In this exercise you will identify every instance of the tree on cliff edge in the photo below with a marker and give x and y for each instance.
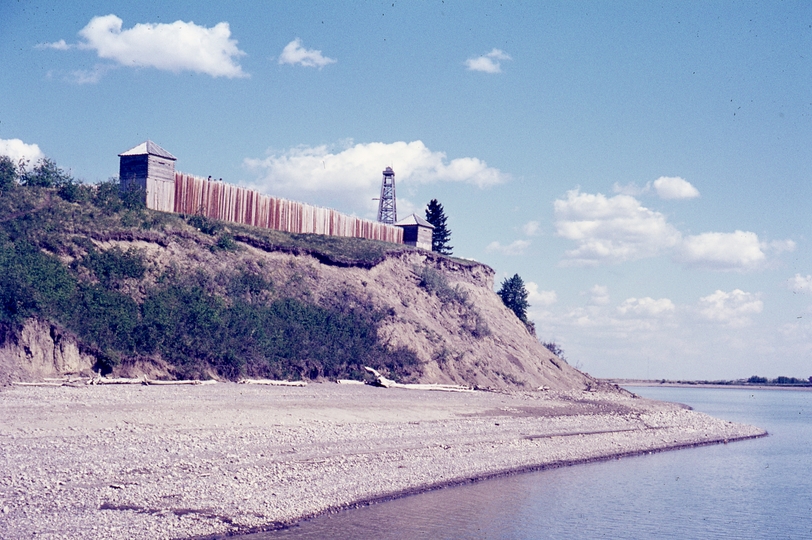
(514, 296)
(440, 236)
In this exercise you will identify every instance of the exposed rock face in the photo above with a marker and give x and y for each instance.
(456, 325)
(42, 350)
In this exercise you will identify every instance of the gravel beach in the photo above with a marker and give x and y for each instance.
(208, 461)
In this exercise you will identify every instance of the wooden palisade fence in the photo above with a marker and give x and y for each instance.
(217, 200)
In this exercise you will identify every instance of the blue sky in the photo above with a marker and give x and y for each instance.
(645, 167)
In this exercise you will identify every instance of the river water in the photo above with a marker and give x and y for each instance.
(761, 488)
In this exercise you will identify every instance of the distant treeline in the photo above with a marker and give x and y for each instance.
(755, 380)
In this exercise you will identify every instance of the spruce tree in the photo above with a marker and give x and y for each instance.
(440, 236)
(514, 296)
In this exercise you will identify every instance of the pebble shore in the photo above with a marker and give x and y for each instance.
(153, 462)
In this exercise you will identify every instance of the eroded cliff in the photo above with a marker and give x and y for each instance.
(324, 306)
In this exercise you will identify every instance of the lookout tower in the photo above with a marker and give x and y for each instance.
(387, 208)
(416, 231)
(152, 169)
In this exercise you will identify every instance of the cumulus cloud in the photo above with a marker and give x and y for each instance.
(666, 187)
(352, 173)
(17, 150)
(177, 46)
(674, 187)
(531, 228)
(611, 229)
(738, 250)
(538, 298)
(646, 306)
(294, 53)
(516, 247)
(617, 229)
(732, 308)
(801, 284)
(489, 63)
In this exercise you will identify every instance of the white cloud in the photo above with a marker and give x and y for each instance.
(516, 247)
(489, 63)
(674, 187)
(531, 228)
(18, 150)
(666, 187)
(617, 229)
(646, 306)
(780, 246)
(738, 250)
(537, 298)
(599, 295)
(799, 283)
(294, 53)
(611, 230)
(58, 45)
(89, 76)
(353, 174)
(178, 46)
(631, 189)
(732, 308)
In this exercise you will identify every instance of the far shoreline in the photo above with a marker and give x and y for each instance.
(686, 384)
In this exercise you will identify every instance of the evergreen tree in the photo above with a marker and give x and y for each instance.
(514, 296)
(440, 236)
(8, 173)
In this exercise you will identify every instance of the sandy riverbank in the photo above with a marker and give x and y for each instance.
(185, 461)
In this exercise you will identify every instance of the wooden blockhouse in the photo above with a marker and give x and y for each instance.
(153, 169)
(416, 231)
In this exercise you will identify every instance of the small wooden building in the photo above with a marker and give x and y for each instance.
(153, 169)
(416, 231)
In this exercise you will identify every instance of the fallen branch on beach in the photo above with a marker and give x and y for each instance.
(388, 383)
(269, 382)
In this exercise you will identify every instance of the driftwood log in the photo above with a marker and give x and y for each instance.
(388, 383)
(269, 382)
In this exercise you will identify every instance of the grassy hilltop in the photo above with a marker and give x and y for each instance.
(231, 322)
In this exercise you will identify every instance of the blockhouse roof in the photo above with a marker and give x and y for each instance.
(414, 219)
(148, 148)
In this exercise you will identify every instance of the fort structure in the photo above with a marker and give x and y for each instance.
(151, 168)
(416, 231)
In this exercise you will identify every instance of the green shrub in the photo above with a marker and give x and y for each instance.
(107, 196)
(225, 242)
(436, 283)
(45, 174)
(8, 174)
(204, 224)
(114, 264)
(31, 284)
(133, 196)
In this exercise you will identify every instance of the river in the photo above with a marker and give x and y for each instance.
(760, 488)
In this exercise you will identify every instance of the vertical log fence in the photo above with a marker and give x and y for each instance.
(217, 200)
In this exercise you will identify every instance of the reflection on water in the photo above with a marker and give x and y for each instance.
(760, 488)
